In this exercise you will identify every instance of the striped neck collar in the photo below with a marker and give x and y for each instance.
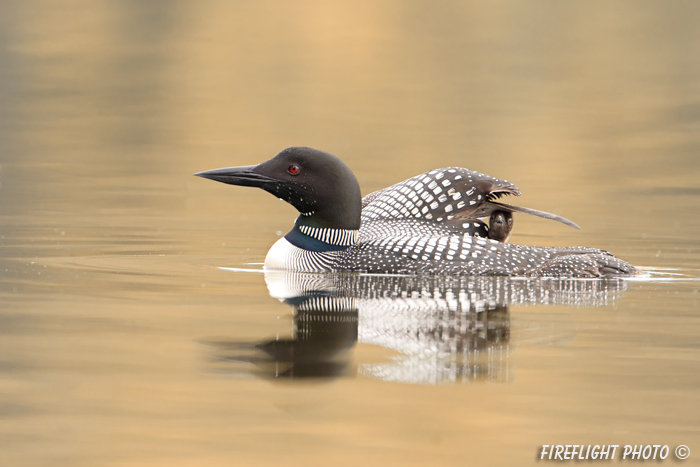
(321, 239)
(337, 237)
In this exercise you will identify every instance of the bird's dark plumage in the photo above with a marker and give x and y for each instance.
(500, 225)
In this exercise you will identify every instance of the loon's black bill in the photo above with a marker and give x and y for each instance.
(487, 208)
(242, 176)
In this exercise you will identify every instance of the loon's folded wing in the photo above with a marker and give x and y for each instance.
(448, 195)
(438, 195)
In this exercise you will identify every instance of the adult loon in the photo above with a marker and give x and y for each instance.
(428, 224)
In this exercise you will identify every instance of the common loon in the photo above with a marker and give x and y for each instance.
(500, 225)
(428, 224)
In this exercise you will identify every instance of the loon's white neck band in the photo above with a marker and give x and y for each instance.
(338, 237)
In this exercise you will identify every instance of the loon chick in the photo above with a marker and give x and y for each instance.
(500, 225)
(428, 224)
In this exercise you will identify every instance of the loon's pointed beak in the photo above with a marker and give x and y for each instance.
(242, 176)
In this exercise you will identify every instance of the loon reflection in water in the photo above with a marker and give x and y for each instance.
(444, 328)
(428, 224)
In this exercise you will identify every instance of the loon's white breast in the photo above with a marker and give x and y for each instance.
(285, 256)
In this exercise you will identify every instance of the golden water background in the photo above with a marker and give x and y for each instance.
(110, 250)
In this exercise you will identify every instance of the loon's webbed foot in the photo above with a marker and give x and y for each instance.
(585, 262)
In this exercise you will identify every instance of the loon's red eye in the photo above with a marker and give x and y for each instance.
(293, 169)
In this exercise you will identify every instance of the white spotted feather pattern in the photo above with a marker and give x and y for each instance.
(439, 195)
(422, 226)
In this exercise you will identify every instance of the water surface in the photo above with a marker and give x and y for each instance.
(129, 315)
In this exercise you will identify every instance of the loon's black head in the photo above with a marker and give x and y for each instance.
(322, 188)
